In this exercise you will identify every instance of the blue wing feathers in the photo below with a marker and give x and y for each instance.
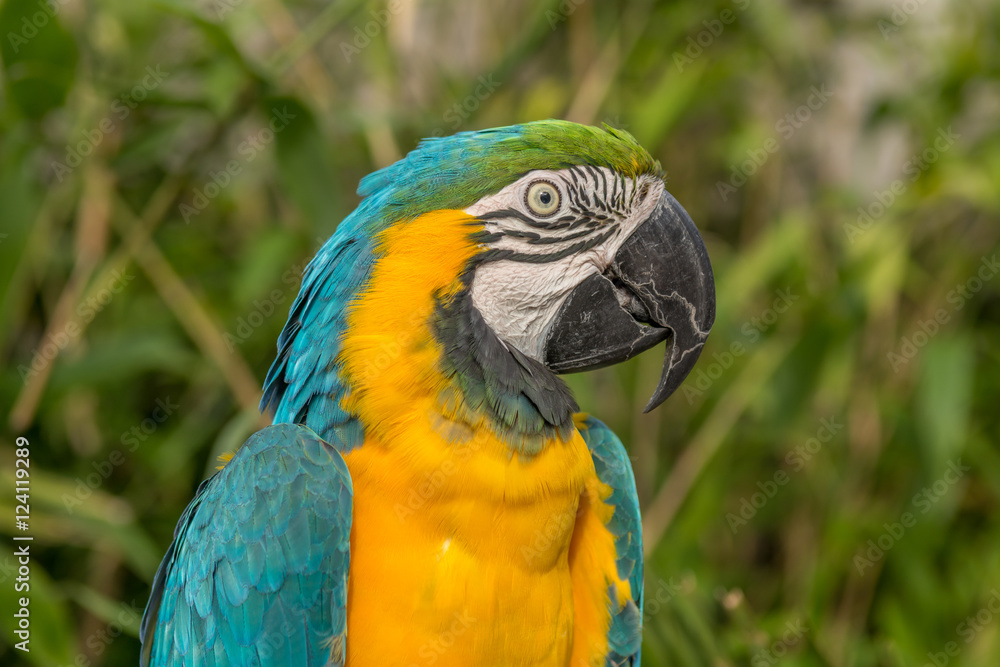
(257, 573)
(305, 373)
(613, 467)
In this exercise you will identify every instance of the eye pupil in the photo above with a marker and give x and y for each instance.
(542, 198)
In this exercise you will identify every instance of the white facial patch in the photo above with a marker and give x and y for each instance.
(540, 259)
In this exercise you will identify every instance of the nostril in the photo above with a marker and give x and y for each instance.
(629, 302)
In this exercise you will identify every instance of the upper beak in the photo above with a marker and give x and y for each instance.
(658, 286)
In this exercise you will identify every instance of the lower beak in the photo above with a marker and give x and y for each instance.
(659, 286)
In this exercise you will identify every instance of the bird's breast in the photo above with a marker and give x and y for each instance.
(459, 552)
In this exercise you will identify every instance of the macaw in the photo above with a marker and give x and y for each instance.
(428, 493)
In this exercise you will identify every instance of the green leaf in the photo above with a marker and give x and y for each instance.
(305, 170)
(944, 395)
(22, 200)
(39, 55)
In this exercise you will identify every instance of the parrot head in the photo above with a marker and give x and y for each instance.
(581, 259)
(588, 266)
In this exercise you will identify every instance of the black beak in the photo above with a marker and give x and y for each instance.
(659, 286)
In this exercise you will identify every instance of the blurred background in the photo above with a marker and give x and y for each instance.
(823, 490)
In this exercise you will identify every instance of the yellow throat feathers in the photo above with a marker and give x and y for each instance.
(448, 499)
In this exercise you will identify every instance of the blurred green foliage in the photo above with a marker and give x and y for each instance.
(166, 169)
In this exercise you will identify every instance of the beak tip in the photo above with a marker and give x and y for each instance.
(676, 367)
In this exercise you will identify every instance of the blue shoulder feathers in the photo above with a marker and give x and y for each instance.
(614, 469)
(257, 573)
(305, 382)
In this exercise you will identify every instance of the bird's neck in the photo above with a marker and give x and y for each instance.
(526, 403)
(416, 347)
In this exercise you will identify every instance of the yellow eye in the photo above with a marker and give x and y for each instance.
(542, 198)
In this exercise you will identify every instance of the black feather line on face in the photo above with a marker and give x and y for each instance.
(604, 187)
(618, 201)
(531, 237)
(558, 239)
(572, 174)
(507, 213)
(573, 194)
(596, 176)
(495, 254)
(584, 219)
(592, 203)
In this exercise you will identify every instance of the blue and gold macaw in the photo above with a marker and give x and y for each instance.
(428, 493)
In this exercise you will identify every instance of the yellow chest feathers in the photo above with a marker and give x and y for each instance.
(458, 554)
(462, 553)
